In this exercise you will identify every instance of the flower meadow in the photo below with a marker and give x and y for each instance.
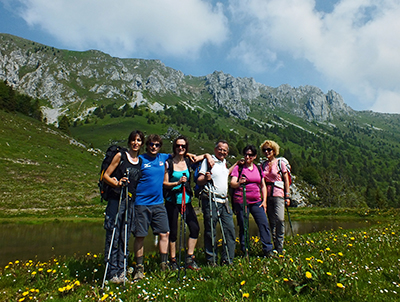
(342, 265)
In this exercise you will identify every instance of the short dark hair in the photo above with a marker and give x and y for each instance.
(252, 148)
(153, 138)
(186, 143)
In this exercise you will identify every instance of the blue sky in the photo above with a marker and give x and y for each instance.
(350, 46)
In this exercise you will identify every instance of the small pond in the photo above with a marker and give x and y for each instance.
(43, 241)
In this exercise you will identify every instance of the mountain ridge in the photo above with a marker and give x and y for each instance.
(66, 77)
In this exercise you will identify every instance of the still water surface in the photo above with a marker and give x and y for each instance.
(41, 242)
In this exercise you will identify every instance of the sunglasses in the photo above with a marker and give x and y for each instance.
(157, 145)
(180, 146)
(267, 149)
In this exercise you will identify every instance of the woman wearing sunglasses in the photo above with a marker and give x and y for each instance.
(278, 192)
(251, 176)
(177, 177)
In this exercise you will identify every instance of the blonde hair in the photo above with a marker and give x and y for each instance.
(273, 145)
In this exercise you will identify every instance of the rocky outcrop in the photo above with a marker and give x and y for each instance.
(63, 77)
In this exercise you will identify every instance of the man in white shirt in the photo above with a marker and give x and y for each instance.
(215, 206)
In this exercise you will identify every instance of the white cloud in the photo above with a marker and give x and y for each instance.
(355, 46)
(126, 27)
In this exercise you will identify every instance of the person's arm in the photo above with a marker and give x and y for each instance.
(113, 181)
(239, 162)
(264, 193)
(286, 188)
(203, 179)
(196, 158)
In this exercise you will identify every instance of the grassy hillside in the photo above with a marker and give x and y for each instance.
(42, 168)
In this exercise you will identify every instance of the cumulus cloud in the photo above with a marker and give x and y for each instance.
(355, 45)
(126, 27)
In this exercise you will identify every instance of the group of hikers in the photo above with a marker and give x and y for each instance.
(153, 189)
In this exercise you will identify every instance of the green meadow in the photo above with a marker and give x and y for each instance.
(342, 265)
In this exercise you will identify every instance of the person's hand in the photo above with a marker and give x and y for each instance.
(208, 176)
(264, 205)
(287, 201)
(183, 179)
(242, 180)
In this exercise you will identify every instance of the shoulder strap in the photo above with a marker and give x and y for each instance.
(240, 170)
(188, 163)
(170, 167)
(259, 171)
(279, 163)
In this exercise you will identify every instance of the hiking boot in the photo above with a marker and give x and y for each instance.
(139, 272)
(115, 280)
(173, 266)
(122, 278)
(270, 254)
(191, 264)
(164, 266)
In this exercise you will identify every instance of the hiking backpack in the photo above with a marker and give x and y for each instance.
(105, 189)
(197, 188)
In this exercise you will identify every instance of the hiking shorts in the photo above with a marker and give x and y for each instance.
(150, 215)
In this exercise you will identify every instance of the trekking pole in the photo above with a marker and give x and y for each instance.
(222, 229)
(184, 220)
(111, 242)
(245, 223)
(182, 235)
(290, 221)
(126, 222)
(211, 222)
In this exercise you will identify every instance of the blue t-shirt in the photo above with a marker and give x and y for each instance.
(149, 190)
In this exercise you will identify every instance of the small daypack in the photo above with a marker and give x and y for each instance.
(171, 194)
(105, 189)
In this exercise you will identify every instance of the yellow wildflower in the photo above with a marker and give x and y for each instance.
(340, 285)
(308, 275)
(243, 282)
(25, 293)
(285, 279)
(340, 254)
(104, 297)
(329, 274)
(245, 295)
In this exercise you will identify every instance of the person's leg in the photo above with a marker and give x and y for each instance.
(239, 217)
(173, 215)
(261, 220)
(271, 218)
(141, 223)
(112, 237)
(226, 215)
(194, 228)
(159, 224)
(280, 223)
(210, 222)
